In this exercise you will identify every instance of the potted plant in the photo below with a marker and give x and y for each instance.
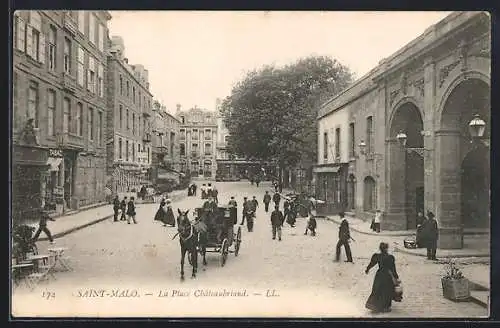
(455, 285)
(22, 241)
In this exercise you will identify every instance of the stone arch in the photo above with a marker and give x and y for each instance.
(397, 106)
(405, 166)
(459, 159)
(450, 85)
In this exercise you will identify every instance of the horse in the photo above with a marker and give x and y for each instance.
(188, 239)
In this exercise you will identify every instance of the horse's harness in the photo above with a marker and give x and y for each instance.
(191, 233)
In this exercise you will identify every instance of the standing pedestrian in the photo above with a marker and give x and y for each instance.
(344, 238)
(123, 207)
(385, 280)
(131, 210)
(255, 204)
(376, 221)
(42, 226)
(116, 208)
(215, 194)
(286, 208)
(245, 209)
(267, 200)
(419, 221)
(160, 213)
(276, 199)
(431, 232)
(276, 222)
(169, 217)
(233, 205)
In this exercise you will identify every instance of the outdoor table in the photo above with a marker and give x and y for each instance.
(39, 257)
(58, 256)
(16, 274)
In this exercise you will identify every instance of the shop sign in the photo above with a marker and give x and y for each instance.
(55, 153)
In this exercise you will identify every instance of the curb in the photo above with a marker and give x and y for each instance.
(399, 234)
(71, 230)
(457, 256)
(66, 232)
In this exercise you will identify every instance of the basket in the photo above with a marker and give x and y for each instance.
(410, 242)
(456, 289)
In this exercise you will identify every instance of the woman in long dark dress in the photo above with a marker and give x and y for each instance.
(169, 216)
(160, 214)
(383, 285)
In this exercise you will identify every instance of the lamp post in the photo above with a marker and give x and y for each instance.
(477, 127)
(403, 138)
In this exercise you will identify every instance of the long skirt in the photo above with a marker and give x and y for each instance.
(160, 215)
(382, 292)
(169, 217)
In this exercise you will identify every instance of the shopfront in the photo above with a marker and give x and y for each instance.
(331, 187)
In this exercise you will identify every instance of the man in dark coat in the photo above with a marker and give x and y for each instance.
(116, 208)
(344, 237)
(42, 226)
(267, 200)
(246, 204)
(123, 207)
(276, 198)
(276, 222)
(431, 232)
(233, 205)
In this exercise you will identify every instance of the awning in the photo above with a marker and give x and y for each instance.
(54, 163)
(326, 169)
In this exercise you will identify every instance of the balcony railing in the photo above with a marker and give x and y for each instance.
(70, 141)
(70, 24)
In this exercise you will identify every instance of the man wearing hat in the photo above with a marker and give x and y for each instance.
(431, 234)
(234, 209)
(42, 226)
(245, 209)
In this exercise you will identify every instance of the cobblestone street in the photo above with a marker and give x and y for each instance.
(295, 277)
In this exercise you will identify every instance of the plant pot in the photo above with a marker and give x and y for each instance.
(456, 289)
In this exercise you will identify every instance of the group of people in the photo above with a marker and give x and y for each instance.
(208, 191)
(127, 208)
(165, 215)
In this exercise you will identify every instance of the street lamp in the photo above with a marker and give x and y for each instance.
(403, 138)
(477, 128)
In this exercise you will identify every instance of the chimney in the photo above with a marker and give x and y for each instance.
(178, 107)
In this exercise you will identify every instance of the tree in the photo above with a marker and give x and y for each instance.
(271, 113)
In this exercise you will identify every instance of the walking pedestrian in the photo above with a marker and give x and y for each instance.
(276, 222)
(286, 208)
(42, 226)
(123, 207)
(245, 209)
(431, 235)
(276, 199)
(131, 210)
(169, 214)
(267, 200)
(385, 280)
(344, 238)
(215, 194)
(376, 221)
(116, 208)
(160, 213)
(255, 204)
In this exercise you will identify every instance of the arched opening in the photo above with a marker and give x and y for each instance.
(406, 167)
(464, 164)
(351, 192)
(370, 194)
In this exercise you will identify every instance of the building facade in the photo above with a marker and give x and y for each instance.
(197, 142)
(165, 145)
(59, 109)
(411, 143)
(129, 133)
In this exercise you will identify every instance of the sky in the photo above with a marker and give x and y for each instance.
(195, 57)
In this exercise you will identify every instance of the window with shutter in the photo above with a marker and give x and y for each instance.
(81, 58)
(41, 48)
(20, 34)
(29, 40)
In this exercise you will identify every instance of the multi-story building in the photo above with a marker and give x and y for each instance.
(197, 141)
(59, 109)
(129, 120)
(415, 133)
(165, 144)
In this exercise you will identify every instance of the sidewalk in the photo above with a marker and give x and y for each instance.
(473, 247)
(81, 219)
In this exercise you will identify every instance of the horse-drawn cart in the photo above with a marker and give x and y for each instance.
(220, 231)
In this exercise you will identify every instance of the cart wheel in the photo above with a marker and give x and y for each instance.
(237, 242)
(224, 250)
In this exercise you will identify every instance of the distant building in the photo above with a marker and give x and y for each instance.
(59, 109)
(197, 141)
(165, 144)
(129, 121)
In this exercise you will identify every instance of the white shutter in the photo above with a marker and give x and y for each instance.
(41, 49)
(80, 74)
(88, 80)
(29, 40)
(21, 34)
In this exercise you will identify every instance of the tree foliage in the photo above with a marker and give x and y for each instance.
(271, 113)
